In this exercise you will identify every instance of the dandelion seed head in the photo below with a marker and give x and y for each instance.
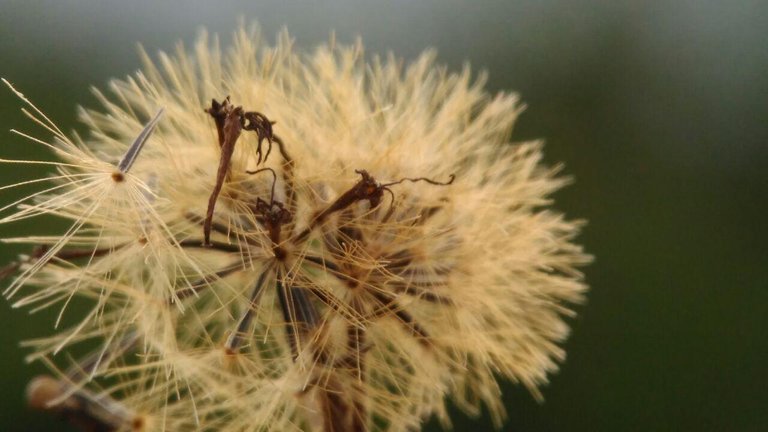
(377, 245)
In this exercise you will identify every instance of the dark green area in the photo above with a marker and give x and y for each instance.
(658, 110)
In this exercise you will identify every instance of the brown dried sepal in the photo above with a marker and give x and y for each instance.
(230, 121)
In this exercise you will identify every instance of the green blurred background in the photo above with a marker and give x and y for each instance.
(658, 110)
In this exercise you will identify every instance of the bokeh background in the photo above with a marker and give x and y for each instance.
(659, 109)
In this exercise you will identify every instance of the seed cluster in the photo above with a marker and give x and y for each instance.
(390, 254)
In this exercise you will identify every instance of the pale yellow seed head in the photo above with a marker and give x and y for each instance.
(342, 299)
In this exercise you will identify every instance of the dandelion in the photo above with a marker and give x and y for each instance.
(274, 241)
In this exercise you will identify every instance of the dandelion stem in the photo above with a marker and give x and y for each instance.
(299, 314)
(206, 282)
(129, 158)
(235, 339)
